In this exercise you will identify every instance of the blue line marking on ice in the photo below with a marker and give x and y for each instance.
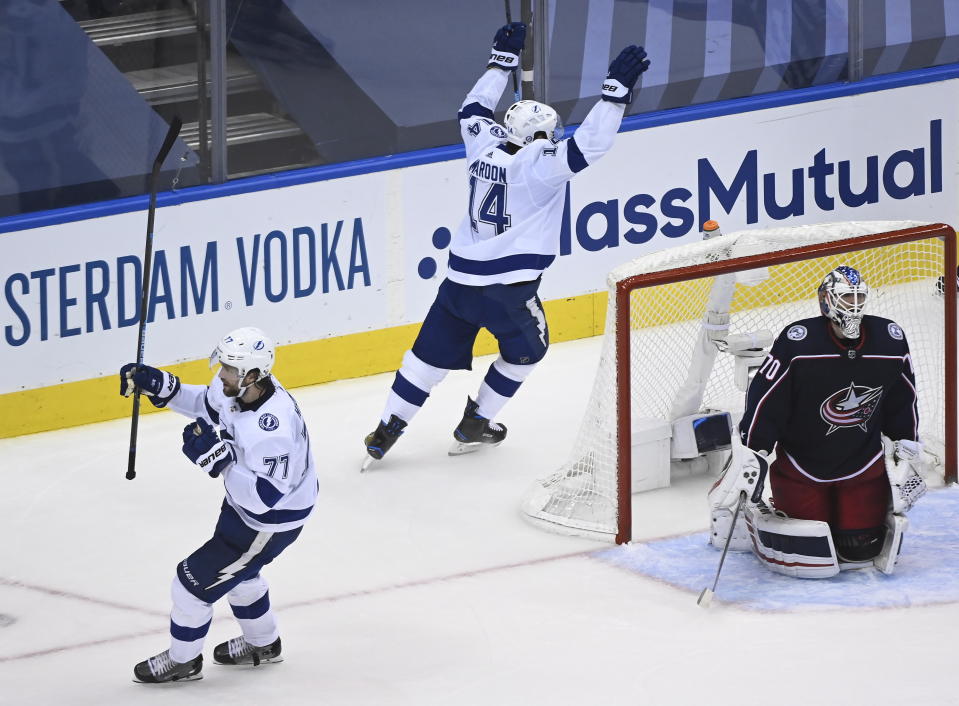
(927, 572)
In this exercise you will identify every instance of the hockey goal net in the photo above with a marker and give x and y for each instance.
(661, 359)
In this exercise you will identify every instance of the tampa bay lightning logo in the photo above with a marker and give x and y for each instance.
(896, 332)
(268, 422)
(498, 132)
(851, 406)
(796, 333)
(258, 346)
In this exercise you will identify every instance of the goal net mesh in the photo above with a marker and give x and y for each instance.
(666, 326)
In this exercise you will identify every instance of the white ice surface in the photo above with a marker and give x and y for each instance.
(416, 583)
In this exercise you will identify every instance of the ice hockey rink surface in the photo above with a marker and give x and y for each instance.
(418, 582)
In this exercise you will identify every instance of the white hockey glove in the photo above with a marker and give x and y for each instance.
(903, 462)
(746, 471)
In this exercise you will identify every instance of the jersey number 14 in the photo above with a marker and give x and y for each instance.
(491, 209)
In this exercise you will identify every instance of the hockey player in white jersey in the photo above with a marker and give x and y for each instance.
(517, 176)
(262, 452)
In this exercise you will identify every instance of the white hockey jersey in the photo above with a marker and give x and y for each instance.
(511, 231)
(272, 483)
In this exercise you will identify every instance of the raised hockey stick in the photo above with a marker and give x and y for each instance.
(526, 62)
(706, 595)
(165, 148)
(509, 21)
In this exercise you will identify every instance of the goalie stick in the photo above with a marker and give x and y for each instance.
(706, 595)
(171, 135)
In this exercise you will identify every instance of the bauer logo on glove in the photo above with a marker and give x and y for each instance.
(203, 446)
(159, 385)
(507, 44)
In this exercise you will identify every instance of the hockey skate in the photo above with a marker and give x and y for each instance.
(160, 669)
(381, 440)
(474, 432)
(238, 651)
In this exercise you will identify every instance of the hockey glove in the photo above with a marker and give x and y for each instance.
(746, 471)
(205, 448)
(507, 44)
(159, 385)
(623, 73)
(903, 461)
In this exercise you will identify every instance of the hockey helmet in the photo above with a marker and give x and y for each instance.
(526, 118)
(246, 349)
(842, 298)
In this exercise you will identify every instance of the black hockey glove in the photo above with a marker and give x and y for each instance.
(507, 44)
(623, 73)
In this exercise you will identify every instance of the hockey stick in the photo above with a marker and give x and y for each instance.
(509, 21)
(706, 596)
(526, 65)
(165, 148)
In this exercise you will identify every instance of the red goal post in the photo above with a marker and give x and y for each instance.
(578, 498)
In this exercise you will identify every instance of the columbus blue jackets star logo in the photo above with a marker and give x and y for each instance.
(851, 406)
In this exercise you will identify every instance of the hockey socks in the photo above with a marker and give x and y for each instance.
(411, 388)
(500, 384)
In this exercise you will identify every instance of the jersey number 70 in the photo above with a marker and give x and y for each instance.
(491, 209)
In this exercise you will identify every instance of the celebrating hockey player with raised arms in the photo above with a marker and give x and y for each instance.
(830, 390)
(516, 177)
(262, 452)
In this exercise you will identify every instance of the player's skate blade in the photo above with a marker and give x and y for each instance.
(160, 669)
(239, 652)
(367, 463)
(458, 448)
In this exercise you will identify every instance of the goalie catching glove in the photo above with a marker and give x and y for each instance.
(203, 446)
(903, 461)
(159, 385)
(507, 44)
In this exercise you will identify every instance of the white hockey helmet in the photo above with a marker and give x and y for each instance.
(842, 298)
(246, 349)
(526, 118)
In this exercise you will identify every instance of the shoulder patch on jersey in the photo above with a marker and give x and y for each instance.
(498, 132)
(269, 422)
(796, 333)
(473, 129)
(895, 331)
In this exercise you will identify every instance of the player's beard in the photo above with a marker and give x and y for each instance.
(231, 390)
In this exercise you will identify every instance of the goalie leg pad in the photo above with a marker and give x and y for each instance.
(800, 548)
(719, 521)
(896, 526)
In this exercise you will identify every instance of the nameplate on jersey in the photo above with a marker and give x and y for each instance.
(488, 172)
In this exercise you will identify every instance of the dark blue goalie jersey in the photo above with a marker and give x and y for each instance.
(825, 401)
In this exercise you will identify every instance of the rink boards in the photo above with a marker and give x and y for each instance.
(341, 271)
